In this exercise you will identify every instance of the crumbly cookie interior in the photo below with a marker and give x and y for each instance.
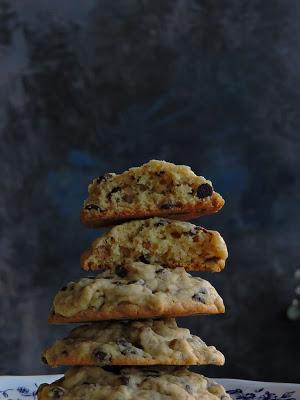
(141, 342)
(158, 241)
(157, 184)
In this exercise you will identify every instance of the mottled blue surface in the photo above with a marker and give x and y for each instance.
(97, 86)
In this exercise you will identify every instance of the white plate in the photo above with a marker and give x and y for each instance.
(24, 387)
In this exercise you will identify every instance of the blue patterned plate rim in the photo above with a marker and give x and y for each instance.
(13, 387)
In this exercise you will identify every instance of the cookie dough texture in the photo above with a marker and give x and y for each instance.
(158, 241)
(135, 291)
(95, 383)
(147, 342)
(158, 188)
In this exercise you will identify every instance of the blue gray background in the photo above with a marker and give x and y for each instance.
(88, 87)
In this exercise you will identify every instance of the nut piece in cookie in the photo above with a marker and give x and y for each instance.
(157, 188)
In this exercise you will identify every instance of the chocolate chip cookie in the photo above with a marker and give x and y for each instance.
(146, 342)
(134, 291)
(158, 188)
(158, 241)
(95, 383)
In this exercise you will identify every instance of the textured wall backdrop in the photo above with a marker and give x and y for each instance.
(93, 86)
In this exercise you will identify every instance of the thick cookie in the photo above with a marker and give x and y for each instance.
(147, 342)
(156, 189)
(158, 241)
(95, 383)
(135, 291)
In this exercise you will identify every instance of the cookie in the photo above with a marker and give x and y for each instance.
(158, 241)
(135, 291)
(95, 383)
(147, 342)
(156, 189)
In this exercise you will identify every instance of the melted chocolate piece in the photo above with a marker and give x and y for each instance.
(114, 190)
(200, 296)
(121, 271)
(143, 259)
(188, 389)
(104, 178)
(101, 356)
(204, 190)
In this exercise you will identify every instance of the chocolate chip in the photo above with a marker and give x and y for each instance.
(104, 178)
(114, 190)
(204, 190)
(200, 296)
(125, 347)
(194, 231)
(167, 206)
(124, 380)
(57, 392)
(64, 288)
(160, 270)
(123, 342)
(188, 389)
(143, 259)
(44, 360)
(101, 356)
(92, 207)
(160, 173)
(200, 228)
(121, 271)
(64, 353)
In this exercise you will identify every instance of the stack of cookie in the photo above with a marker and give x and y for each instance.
(141, 284)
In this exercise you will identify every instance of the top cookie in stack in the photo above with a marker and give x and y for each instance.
(156, 189)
